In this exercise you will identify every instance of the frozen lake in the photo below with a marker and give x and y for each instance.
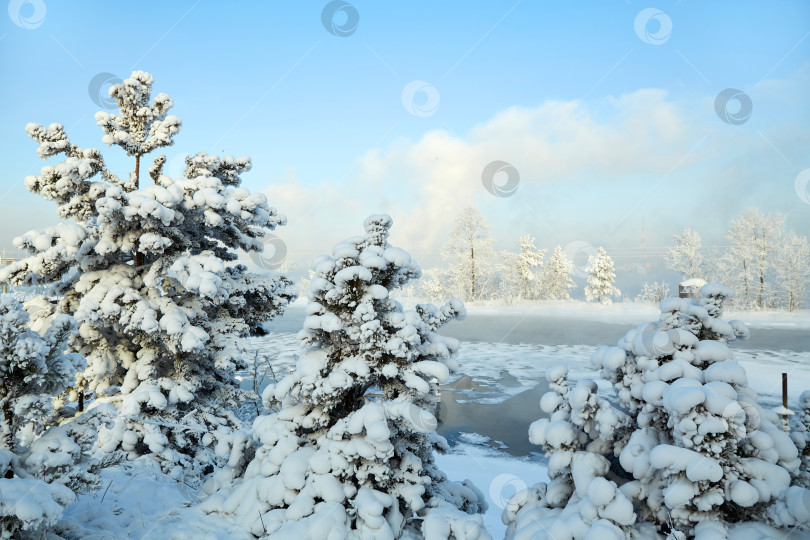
(542, 329)
(506, 424)
(504, 356)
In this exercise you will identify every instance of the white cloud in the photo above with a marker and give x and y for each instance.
(583, 166)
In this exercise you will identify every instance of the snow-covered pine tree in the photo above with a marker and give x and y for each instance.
(697, 456)
(529, 268)
(579, 501)
(601, 277)
(38, 473)
(145, 271)
(520, 273)
(349, 454)
(557, 281)
(653, 293)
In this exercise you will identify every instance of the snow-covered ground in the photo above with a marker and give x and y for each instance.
(137, 501)
(496, 474)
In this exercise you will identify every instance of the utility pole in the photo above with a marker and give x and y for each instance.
(643, 242)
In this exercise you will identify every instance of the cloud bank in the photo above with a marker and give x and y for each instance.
(588, 170)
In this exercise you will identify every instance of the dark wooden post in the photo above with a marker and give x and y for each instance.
(785, 413)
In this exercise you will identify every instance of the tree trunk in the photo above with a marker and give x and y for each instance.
(761, 288)
(761, 295)
(8, 418)
(81, 401)
(745, 281)
(139, 259)
(351, 402)
(762, 253)
(472, 272)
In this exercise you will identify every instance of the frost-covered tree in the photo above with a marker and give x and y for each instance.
(792, 270)
(601, 277)
(430, 286)
(39, 469)
(684, 452)
(557, 281)
(653, 293)
(146, 269)
(684, 256)
(510, 282)
(304, 282)
(349, 454)
(755, 240)
(469, 253)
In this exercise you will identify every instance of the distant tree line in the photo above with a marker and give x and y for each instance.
(767, 266)
(474, 271)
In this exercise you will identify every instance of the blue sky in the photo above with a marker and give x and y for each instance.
(602, 125)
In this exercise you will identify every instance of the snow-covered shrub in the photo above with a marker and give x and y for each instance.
(653, 293)
(687, 453)
(147, 272)
(40, 468)
(349, 454)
